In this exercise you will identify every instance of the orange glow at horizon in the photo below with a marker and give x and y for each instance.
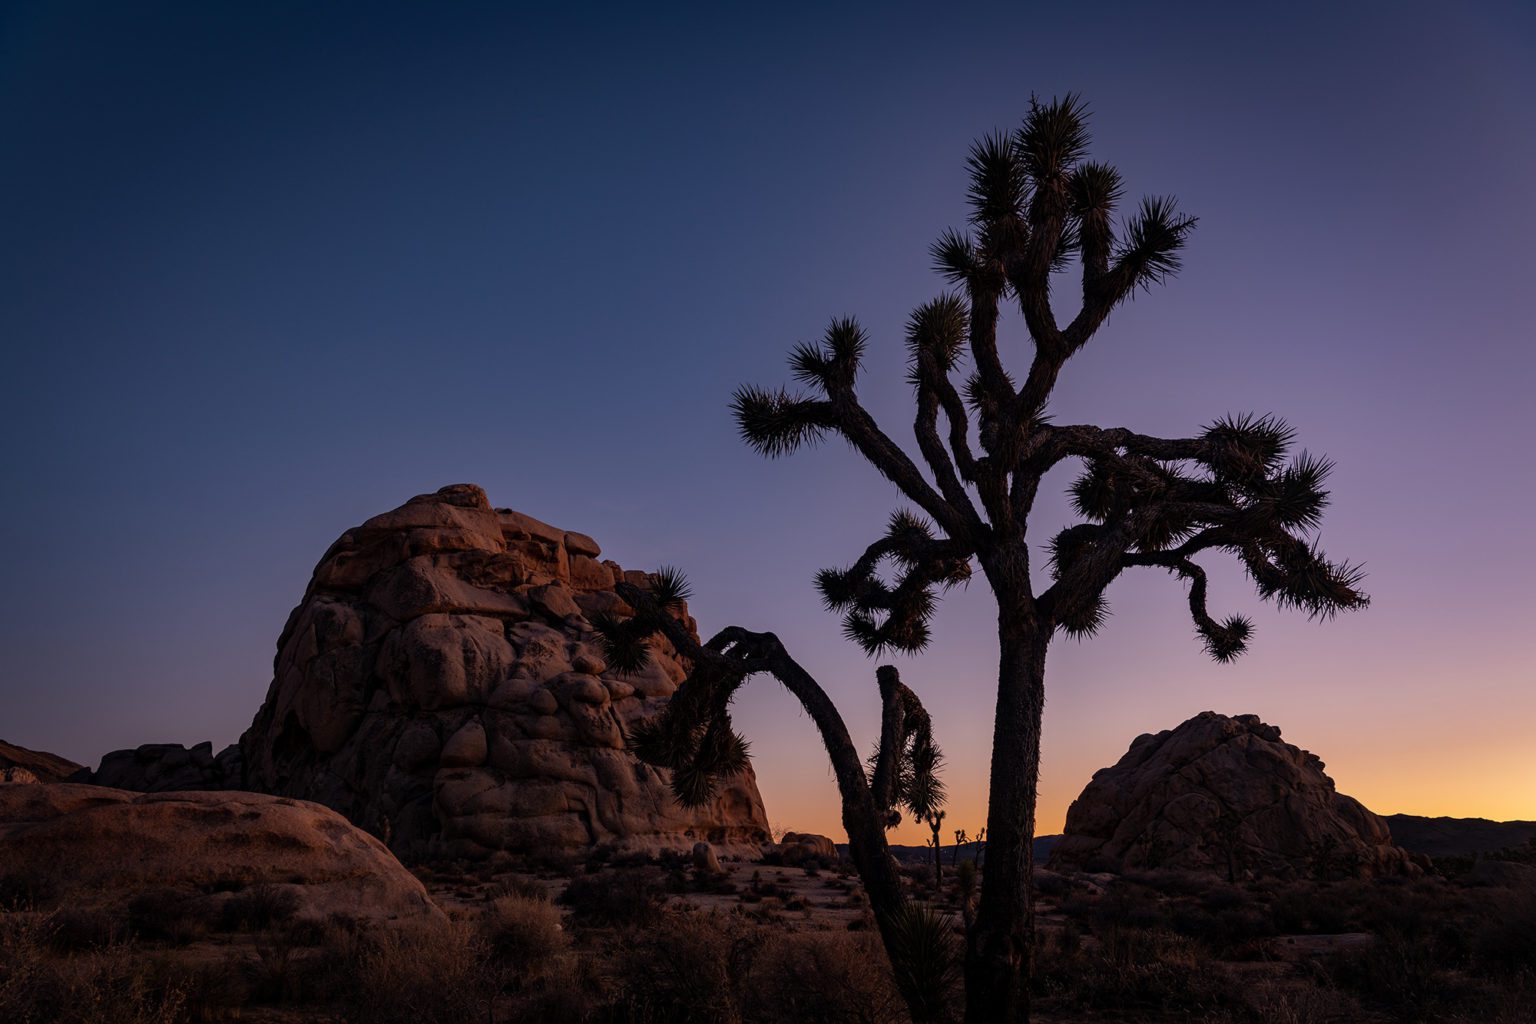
(1396, 761)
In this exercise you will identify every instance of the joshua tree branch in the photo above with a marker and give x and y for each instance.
(985, 288)
(1088, 441)
(926, 429)
(859, 427)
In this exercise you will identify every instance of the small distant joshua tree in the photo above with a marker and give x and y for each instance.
(985, 443)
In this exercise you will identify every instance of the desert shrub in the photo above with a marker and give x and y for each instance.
(259, 907)
(431, 975)
(685, 969)
(597, 858)
(1221, 896)
(522, 887)
(1271, 1002)
(570, 991)
(215, 990)
(1505, 941)
(1127, 905)
(110, 987)
(524, 936)
(1401, 971)
(1047, 883)
(644, 859)
(1174, 883)
(281, 972)
(1131, 969)
(920, 875)
(169, 915)
(826, 978)
(625, 896)
(86, 928)
(1224, 929)
(26, 892)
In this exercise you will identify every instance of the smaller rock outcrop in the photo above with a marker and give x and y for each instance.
(18, 764)
(705, 861)
(799, 847)
(170, 767)
(82, 846)
(1225, 794)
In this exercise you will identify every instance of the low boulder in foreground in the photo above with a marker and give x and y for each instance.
(1225, 795)
(83, 846)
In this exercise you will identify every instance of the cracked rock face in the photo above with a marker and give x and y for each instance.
(441, 686)
(1224, 794)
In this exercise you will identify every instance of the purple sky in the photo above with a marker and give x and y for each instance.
(270, 269)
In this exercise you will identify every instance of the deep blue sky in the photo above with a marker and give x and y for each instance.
(269, 269)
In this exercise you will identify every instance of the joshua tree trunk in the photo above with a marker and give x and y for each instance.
(938, 863)
(998, 947)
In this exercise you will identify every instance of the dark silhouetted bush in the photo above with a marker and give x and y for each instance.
(625, 896)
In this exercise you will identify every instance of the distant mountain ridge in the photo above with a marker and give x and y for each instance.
(1446, 837)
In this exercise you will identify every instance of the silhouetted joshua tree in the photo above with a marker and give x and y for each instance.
(694, 738)
(1037, 204)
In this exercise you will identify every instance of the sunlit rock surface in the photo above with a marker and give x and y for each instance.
(440, 685)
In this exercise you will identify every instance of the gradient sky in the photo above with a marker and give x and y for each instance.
(271, 268)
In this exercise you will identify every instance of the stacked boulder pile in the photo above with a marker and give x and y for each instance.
(440, 685)
(1225, 795)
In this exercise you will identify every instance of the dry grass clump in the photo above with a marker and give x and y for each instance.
(525, 935)
(620, 897)
(167, 915)
(1126, 968)
(260, 907)
(37, 986)
(824, 978)
(693, 967)
(430, 975)
(1271, 1002)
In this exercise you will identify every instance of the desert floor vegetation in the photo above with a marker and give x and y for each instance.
(640, 940)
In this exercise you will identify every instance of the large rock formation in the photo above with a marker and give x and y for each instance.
(440, 685)
(82, 845)
(1226, 795)
(18, 764)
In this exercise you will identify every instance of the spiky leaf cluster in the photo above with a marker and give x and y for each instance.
(693, 736)
(936, 334)
(1240, 493)
(879, 615)
(1035, 200)
(925, 959)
